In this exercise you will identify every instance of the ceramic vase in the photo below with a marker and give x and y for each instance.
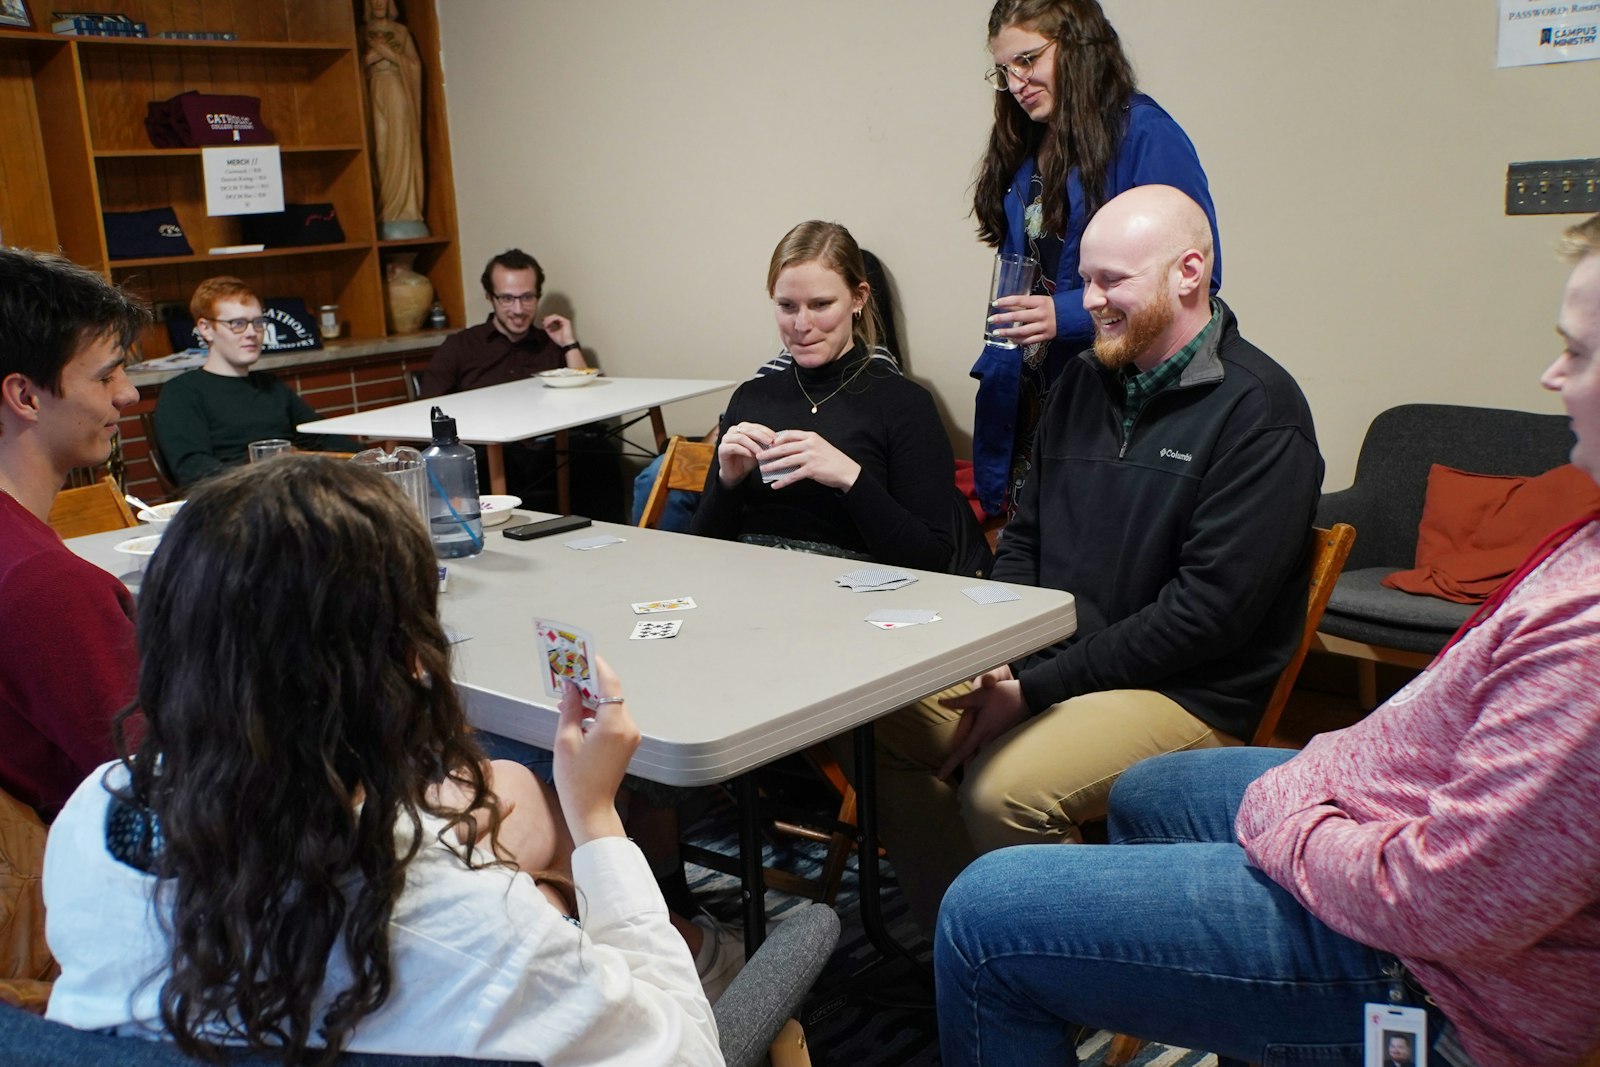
(410, 294)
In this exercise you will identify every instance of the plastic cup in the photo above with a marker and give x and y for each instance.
(404, 469)
(1014, 275)
(273, 446)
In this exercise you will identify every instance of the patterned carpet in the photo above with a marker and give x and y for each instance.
(886, 1018)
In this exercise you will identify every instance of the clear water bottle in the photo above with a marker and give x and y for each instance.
(452, 492)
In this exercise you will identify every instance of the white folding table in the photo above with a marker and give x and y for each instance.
(497, 415)
(774, 657)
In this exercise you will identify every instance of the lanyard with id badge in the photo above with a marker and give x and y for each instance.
(1396, 1036)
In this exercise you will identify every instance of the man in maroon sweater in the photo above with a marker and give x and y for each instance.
(67, 663)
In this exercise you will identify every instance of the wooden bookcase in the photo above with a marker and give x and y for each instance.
(73, 145)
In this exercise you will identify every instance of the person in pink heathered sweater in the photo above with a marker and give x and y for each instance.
(1442, 853)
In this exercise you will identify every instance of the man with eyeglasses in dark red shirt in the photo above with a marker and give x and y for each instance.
(513, 343)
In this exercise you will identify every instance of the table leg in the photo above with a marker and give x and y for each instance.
(867, 822)
(659, 427)
(563, 474)
(755, 884)
(497, 469)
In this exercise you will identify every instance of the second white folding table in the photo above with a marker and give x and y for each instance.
(498, 415)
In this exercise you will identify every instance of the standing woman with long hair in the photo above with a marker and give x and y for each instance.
(1071, 131)
(307, 851)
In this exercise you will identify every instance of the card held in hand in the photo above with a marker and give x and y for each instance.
(566, 653)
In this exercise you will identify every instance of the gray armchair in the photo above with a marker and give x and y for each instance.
(1379, 625)
(749, 1015)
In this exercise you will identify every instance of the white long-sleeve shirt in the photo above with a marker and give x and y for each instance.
(484, 967)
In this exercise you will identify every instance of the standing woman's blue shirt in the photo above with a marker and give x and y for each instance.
(1154, 151)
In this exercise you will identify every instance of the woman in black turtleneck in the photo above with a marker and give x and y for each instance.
(865, 464)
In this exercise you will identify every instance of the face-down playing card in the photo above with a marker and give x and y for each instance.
(566, 653)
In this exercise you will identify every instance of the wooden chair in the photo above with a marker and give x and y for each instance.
(1327, 561)
(158, 462)
(91, 509)
(1331, 549)
(684, 467)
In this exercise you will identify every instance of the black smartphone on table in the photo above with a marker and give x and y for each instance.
(528, 531)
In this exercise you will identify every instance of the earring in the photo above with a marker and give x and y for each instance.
(856, 314)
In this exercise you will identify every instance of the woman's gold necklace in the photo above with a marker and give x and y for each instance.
(815, 404)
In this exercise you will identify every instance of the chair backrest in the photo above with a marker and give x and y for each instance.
(26, 967)
(169, 484)
(1330, 548)
(1403, 442)
(752, 1010)
(772, 986)
(883, 302)
(413, 383)
(29, 1041)
(92, 509)
(684, 466)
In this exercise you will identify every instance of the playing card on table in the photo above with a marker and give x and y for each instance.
(875, 579)
(650, 607)
(656, 629)
(894, 618)
(989, 594)
(566, 654)
(584, 544)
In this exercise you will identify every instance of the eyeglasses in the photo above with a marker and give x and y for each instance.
(241, 325)
(999, 76)
(506, 300)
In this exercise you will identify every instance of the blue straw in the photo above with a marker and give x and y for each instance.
(477, 541)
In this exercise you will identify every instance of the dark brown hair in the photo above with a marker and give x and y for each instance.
(513, 259)
(1093, 81)
(295, 684)
(51, 309)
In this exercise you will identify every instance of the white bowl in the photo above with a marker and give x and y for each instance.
(493, 510)
(160, 513)
(567, 377)
(140, 548)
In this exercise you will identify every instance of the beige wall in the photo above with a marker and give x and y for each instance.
(651, 153)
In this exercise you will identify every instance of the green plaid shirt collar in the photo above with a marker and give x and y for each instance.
(1139, 388)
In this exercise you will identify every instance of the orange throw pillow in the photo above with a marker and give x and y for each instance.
(1476, 528)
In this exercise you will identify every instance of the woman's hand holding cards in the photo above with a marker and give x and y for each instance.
(802, 454)
(737, 451)
(590, 761)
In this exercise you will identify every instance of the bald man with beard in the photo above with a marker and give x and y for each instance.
(1175, 477)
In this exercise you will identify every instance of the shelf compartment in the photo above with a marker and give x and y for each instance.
(307, 98)
(260, 24)
(217, 46)
(141, 182)
(326, 274)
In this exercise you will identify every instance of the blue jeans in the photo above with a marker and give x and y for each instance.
(1167, 934)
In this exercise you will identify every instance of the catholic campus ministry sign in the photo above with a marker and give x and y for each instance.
(1543, 31)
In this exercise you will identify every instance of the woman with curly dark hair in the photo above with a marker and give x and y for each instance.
(1071, 131)
(307, 852)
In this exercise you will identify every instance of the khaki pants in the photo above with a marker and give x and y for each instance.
(1035, 785)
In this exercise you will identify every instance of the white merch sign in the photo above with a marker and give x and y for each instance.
(246, 179)
(1548, 31)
